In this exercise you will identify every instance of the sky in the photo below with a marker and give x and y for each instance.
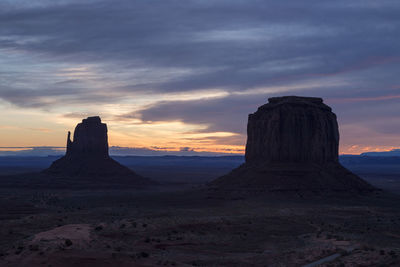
(176, 75)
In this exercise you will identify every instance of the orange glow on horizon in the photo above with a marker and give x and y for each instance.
(216, 148)
(358, 149)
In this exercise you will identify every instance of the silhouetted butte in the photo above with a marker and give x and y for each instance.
(87, 157)
(292, 145)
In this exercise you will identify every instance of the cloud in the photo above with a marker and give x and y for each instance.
(197, 45)
(8, 127)
(85, 56)
(76, 115)
(362, 120)
(226, 114)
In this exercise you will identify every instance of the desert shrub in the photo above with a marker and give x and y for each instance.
(34, 247)
(393, 254)
(343, 252)
(68, 242)
(366, 248)
(144, 254)
(319, 234)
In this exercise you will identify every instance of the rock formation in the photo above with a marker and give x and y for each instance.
(87, 158)
(292, 145)
(293, 129)
(90, 139)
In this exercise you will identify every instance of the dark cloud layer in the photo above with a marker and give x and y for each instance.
(229, 44)
(350, 49)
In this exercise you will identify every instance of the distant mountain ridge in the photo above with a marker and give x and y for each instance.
(44, 151)
(391, 153)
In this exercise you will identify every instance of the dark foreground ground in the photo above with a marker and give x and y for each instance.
(180, 224)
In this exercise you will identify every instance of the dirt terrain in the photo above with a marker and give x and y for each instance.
(175, 226)
(181, 223)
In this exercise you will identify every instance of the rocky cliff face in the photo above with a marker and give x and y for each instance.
(90, 139)
(87, 160)
(292, 129)
(292, 146)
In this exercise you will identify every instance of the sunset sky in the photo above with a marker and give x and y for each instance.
(184, 75)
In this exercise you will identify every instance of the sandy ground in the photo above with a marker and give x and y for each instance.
(183, 228)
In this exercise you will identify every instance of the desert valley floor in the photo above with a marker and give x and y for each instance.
(185, 224)
(188, 228)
